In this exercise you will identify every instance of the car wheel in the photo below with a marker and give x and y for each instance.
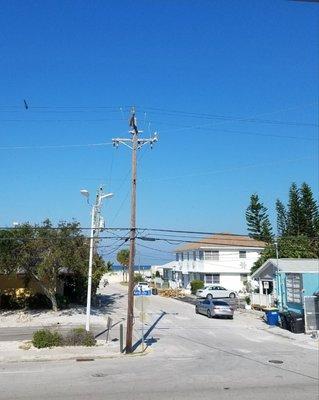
(196, 310)
(209, 296)
(209, 314)
(231, 317)
(232, 295)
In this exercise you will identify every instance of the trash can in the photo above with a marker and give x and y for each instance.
(284, 321)
(297, 323)
(272, 316)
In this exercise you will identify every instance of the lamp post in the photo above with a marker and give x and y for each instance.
(95, 227)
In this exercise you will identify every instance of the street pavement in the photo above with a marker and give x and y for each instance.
(189, 356)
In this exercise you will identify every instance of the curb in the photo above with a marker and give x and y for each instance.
(77, 358)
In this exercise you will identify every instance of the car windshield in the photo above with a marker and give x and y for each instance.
(220, 303)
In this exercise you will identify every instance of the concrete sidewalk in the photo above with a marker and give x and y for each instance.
(22, 352)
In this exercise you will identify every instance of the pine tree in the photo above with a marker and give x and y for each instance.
(309, 211)
(258, 223)
(266, 230)
(281, 218)
(294, 212)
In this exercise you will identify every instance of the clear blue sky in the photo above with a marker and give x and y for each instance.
(243, 74)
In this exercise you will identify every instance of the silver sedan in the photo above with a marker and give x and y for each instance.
(214, 308)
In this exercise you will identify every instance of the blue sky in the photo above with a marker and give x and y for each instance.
(231, 87)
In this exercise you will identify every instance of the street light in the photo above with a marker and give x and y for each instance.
(95, 226)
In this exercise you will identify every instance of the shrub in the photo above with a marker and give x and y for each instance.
(38, 301)
(79, 337)
(195, 285)
(138, 277)
(157, 274)
(248, 300)
(62, 301)
(46, 338)
(12, 302)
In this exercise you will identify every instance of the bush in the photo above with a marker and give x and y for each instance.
(248, 300)
(195, 285)
(79, 337)
(138, 277)
(157, 274)
(38, 301)
(46, 338)
(62, 301)
(12, 302)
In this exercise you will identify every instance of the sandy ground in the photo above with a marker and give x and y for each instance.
(113, 300)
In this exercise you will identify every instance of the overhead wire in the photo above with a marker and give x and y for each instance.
(58, 146)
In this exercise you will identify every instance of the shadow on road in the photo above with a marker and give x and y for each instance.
(149, 341)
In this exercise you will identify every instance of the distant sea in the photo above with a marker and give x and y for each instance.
(116, 268)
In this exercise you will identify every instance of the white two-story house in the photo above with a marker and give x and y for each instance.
(224, 259)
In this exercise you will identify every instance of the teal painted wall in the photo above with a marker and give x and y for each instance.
(310, 284)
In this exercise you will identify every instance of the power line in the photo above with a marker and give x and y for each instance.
(58, 146)
(231, 169)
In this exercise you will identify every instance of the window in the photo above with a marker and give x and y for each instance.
(242, 253)
(182, 257)
(294, 287)
(216, 278)
(177, 256)
(194, 255)
(209, 278)
(200, 255)
(212, 255)
(187, 254)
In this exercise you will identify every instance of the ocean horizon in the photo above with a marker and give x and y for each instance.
(116, 268)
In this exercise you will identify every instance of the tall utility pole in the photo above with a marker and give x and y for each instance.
(135, 143)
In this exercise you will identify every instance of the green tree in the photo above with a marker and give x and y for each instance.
(294, 222)
(258, 223)
(289, 247)
(123, 257)
(45, 253)
(309, 211)
(281, 218)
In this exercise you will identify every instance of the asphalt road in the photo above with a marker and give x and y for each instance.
(190, 357)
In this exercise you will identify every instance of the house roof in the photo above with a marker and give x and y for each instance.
(224, 240)
(289, 265)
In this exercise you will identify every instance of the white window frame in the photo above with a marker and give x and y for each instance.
(216, 279)
(294, 288)
(211, 255)
(242, 254)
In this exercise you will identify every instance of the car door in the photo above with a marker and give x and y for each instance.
(200, 306)
(206, 305)
(215, 292)
(223, 292)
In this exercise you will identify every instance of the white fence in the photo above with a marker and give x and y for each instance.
(264, 300)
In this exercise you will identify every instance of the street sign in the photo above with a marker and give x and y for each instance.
(142, 292)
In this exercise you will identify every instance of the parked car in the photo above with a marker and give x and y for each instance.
(214, 308)
(144, 286)
(215, 292)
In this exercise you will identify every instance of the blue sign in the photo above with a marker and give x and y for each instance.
(142, 292)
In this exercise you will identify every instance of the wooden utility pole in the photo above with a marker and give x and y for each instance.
(134, 144)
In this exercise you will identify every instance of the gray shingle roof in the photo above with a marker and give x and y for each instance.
(290, 265)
